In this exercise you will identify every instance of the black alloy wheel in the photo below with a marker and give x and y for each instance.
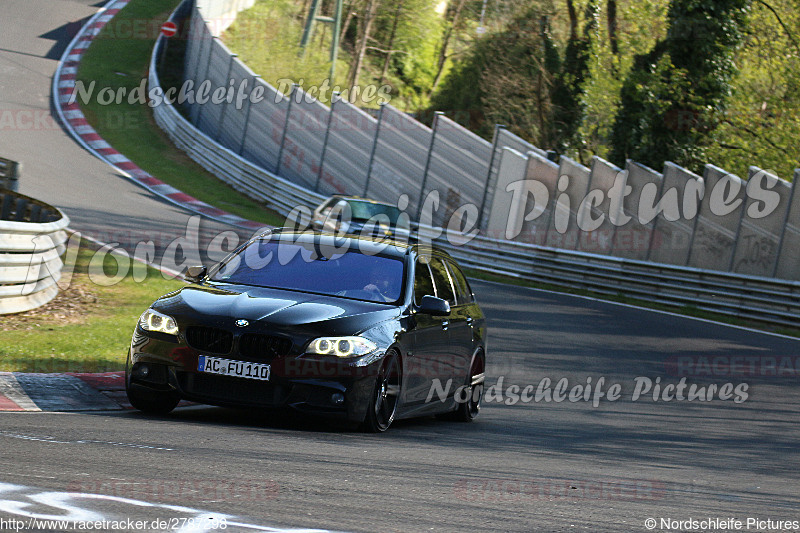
(468, 410)
(386, 395)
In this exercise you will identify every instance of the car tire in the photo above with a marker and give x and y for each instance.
(385, 396)
(467, 411)
(151, 402)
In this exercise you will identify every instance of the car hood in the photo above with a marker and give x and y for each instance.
(278, 310)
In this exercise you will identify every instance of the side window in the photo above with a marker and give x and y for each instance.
(341, 210)
(463, 291)
(444, 285)
(326, 209)
(423, 284)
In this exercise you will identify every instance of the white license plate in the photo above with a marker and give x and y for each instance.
(227, 367)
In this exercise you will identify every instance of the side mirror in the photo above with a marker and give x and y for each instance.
(431, 305)
(195, 274)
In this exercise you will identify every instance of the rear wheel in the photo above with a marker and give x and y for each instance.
(385, 396)
(468, 410)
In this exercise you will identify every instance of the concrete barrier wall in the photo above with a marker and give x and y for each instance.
(504, 139)
(540, 186)
(789, 252)
(571, 189)
(718, 221)
(673, 230)
(401, 155)
(632, 238)
(760, 234)
(457, 168)
(598, 229)
(674, 217)
(512, 164)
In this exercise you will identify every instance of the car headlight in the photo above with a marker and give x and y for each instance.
(154, 321)
(341, 346)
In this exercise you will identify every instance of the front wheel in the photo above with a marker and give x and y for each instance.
(149, 401)
(152, 402)
(383, 406)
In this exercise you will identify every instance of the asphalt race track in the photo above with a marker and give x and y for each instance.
(604, 465)
(542, 466)
(99, 201)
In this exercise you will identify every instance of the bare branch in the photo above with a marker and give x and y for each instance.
(780, 21)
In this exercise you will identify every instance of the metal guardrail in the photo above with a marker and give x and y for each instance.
(766, 300)
(32, 240)
(9, 174)
(754, 298)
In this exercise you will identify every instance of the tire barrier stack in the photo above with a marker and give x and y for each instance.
(32, 240)
(9, 174)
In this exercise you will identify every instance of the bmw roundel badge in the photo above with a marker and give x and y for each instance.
(241, 323)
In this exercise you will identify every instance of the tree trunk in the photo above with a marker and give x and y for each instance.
(361, 48)
(573, 20)
(611, 17)
(445, 43)
(351, 10)
(390, 46)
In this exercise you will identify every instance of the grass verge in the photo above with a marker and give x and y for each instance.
(267, 38)
(87, 327)
(118, 59)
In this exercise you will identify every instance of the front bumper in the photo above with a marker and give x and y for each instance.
(315, 385)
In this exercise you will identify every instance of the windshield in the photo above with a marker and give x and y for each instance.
(304, 267)
(367, 210)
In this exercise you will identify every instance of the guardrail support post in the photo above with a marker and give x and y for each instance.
(247, 115)
(286, 126)
(225, 104)
(661, 186)
(374, 147)
(334, 99)
(497, 128)
(785, 223)
(205, 76)
(436, 116)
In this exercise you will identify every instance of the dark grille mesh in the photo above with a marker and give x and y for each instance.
(263, 347)
(209, 339)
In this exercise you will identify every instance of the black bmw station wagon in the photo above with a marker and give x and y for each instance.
(352, 328)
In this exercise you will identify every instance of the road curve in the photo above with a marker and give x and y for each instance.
(538, 465)
(100, 202)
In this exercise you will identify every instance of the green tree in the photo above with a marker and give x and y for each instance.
(675, 95)
(520, 77)
(570, 79)
(762, 120)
